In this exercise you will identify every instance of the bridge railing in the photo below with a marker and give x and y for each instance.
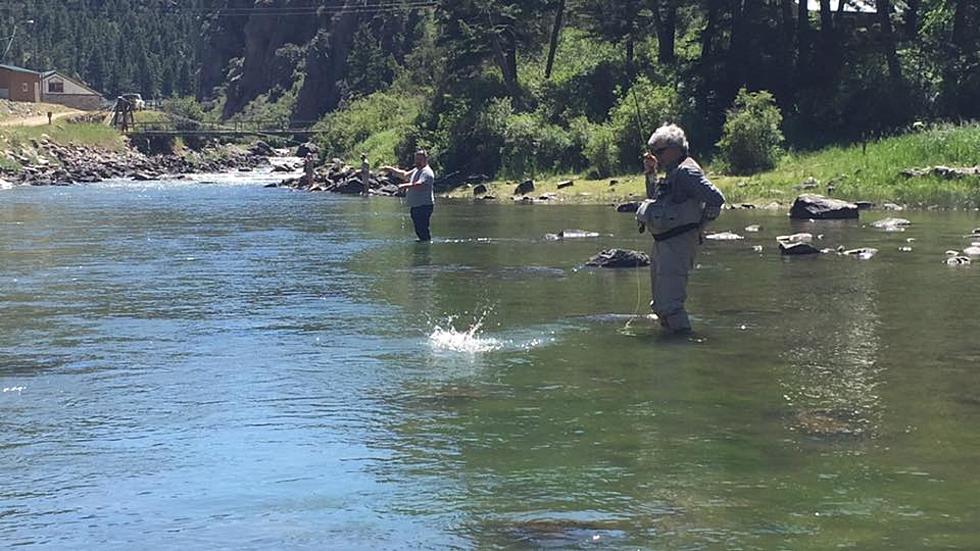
(248, 126)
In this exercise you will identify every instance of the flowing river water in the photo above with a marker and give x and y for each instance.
(214, 365)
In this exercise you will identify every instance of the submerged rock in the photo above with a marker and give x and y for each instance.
(818, 207)
(957, 261)
(891, 224)
(795, 238)
(830, 422)
(724, 236)
(797, 249)
(619, 258)
(631, 206)
(863, 253)
(571, 234)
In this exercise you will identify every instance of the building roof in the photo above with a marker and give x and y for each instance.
(18, 69)
(47, 74)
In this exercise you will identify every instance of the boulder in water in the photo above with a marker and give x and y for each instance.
(795, 238)
(818, 207)
(957, 261)
(972, 250)
(863, 253)
(753, 228)
(797, 249)
(619, 258)
(891, 224)
(307, 148)
(724, 236)
(575, 234)
(631, 206)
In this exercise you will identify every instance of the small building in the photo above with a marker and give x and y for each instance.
(61, 89)
(19, 84)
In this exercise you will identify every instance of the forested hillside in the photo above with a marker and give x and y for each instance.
(506, 87)
(116, 46)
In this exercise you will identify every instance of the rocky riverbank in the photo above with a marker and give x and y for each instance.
(44, 162)
(339, 177)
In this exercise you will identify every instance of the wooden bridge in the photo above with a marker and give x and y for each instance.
(255, 127)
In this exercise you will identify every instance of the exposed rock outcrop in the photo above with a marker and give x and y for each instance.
(818, 207)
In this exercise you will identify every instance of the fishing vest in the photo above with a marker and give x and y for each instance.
(671, 212)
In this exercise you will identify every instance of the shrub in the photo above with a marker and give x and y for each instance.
(639, 111)
(751, 138)
(374, 124)
(601, 150)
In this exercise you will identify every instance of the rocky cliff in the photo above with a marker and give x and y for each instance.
(256, 47)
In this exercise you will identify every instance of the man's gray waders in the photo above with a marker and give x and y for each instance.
(671, 260)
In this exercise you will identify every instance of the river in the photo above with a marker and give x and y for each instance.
(215, 365)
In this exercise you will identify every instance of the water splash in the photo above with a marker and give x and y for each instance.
(468, 340)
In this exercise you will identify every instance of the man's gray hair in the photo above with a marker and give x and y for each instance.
(668, 135)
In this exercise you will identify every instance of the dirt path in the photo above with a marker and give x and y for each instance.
(39, 120)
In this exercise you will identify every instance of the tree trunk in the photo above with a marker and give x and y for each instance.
(737, 48)
(912, 18)
(888, 38)
(802, 39)
(961, 25)
(666, 33)
(630, 46)
(555, 33)
(710, 29)
(506, 57)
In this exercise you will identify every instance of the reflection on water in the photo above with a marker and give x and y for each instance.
(220, 365)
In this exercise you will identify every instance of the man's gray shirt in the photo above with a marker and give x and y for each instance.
(422, 194)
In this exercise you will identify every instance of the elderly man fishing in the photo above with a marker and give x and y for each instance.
(677, 209)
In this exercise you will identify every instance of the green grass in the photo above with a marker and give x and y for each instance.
(869, 172)
(88, 134)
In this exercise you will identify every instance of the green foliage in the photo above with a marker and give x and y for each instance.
(639, 110)
(374, 124)
(751, 137)
(601, 150)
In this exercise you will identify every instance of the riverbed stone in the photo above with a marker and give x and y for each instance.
(891, 224)
(818, 207)
(525, 187)
(797, 249)
(724, 236)
(619, 258)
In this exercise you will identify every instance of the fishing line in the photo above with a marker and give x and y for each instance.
(639, 274)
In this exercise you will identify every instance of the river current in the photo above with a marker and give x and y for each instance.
(208, 364)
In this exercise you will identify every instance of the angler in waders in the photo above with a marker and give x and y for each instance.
(677, 209)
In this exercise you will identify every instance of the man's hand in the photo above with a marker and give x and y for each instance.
(650, 163)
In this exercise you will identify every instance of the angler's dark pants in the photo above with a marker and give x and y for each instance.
(420, 217)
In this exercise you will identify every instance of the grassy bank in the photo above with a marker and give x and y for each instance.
(870, 171)
(19, 140)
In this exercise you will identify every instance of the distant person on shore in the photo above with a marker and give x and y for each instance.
(419, 192)
(678, 207)
(365, 175)
(309, 165)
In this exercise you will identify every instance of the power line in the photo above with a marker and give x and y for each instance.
(384, 6)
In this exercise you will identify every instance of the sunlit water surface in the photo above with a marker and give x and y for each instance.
(214, 365)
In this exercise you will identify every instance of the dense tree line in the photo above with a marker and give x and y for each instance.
(506, 85)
